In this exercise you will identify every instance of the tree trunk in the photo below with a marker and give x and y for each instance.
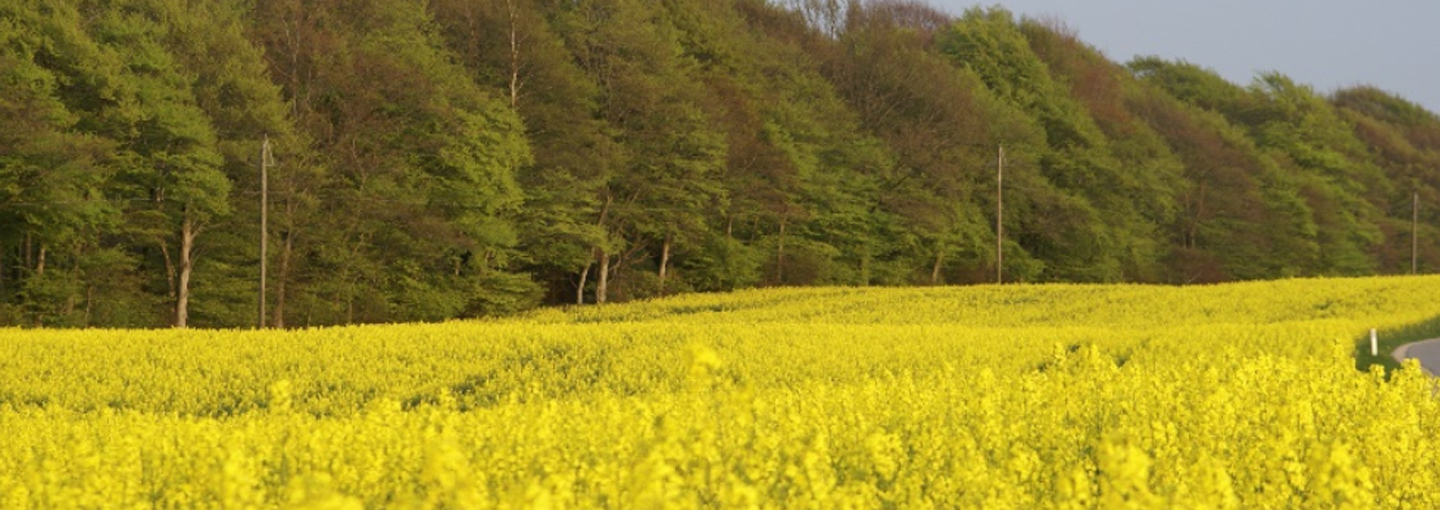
(664, 262)
(584, 276)
(188, 232)
(603, 282)
(935, 271)
(602, 286)
(514, 56)
(40, 262)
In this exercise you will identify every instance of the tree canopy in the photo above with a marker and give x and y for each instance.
(437, 159)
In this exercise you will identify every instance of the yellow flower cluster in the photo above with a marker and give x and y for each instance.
(1065, 396)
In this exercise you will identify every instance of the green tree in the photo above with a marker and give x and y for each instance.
(668, 158)
(52, 176)
(1325, 185)
(945, 128)
(168, 166)
(512, 46)
(422, 185)
(1403, 139)
(1096, 231)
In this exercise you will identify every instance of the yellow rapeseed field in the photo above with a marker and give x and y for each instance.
(1056, 396)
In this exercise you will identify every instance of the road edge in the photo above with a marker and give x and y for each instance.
(1399, 353)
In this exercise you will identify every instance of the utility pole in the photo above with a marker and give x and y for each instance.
(1415, 232)
(264, 222)
(1000, 216)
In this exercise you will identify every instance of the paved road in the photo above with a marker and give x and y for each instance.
(1428, 352)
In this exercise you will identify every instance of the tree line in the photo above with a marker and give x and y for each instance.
(436, 159)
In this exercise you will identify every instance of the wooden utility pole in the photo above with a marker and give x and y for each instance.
(264, 222)
(1415, 232)
(1000, 216)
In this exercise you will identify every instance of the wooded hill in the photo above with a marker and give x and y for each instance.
(454, 158)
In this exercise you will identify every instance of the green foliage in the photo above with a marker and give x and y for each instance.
(724, 264)
(1113, 190)
(449, 158)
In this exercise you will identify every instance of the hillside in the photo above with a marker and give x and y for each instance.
(446, 158)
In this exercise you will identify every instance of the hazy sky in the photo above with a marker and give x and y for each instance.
(1328, 44)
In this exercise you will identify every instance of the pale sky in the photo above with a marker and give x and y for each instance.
(1328, 44)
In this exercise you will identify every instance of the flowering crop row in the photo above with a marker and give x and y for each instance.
(1235, 396)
